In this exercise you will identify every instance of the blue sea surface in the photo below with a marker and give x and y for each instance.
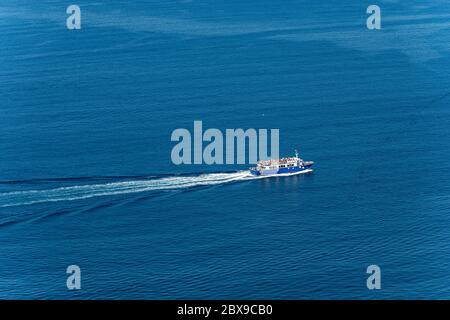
(86, 176)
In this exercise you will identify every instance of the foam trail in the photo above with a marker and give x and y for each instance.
(27, 197)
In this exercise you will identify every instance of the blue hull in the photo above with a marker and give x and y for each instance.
(291, 170)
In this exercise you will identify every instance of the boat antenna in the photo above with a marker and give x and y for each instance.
(296, 153)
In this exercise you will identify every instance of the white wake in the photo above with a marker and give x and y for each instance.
(27, 197)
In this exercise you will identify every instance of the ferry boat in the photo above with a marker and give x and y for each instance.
(283, 166)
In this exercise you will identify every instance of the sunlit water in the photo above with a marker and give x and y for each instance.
(85, 170)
